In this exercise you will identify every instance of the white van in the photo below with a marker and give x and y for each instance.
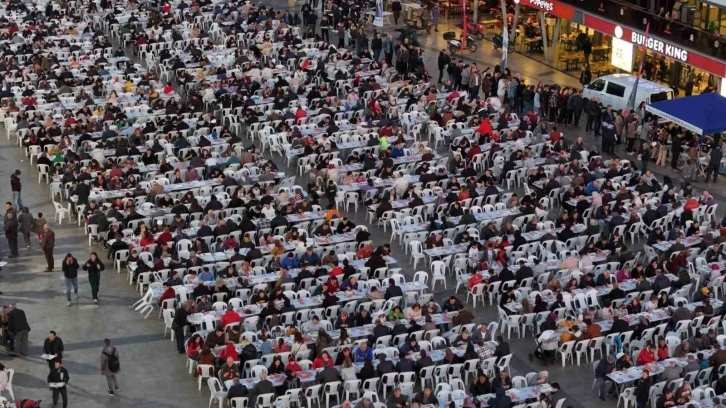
(615, 90)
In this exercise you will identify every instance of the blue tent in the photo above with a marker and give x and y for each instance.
(704, 114)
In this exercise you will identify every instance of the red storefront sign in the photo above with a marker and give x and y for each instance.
(553, 7)
(673, 51)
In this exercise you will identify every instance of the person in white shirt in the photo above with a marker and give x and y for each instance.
(401, 184)
(652, 305)
(268, 211)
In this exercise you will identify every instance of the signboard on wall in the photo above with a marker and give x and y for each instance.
(707, 63)
(622, 56)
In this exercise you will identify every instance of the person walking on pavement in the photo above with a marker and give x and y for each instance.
(53, 346)
(15, 187)
(11, 233)
(58, 379)
(48, 243)
(94, 266)
(18, 325)
(70, 271)
(110, 366)
(714, 165)
(9, 210)
(25, 222)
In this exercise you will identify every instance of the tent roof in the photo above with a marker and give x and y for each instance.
(704, 114)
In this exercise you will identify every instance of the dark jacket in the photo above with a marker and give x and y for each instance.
(93, 267)
(500, 401)
(17, 321)
(57, 376)
(54, 347)
(70, 270)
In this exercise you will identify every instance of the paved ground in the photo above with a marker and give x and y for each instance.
(152, 373)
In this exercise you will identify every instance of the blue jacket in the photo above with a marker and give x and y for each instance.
(590, 188)
(361, 355)
(396, 152)
(347, 286)
(290, 263)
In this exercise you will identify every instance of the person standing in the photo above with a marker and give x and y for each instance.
(70, 271)
(435, 16)
(54, 346)
(110, 366)
(11, 233)
(25, 222)
(58, 379)
(387, 49)
(94, 266)
(48, 243)
(443, 61)
(16, 187)
(18, 325)
(714, 165)
(396, 8)
(180, 320)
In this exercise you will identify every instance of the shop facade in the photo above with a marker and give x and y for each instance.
(668, 63)
(614, 47)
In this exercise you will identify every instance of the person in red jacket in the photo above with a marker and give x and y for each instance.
(230, 316)
(300, 114)
(474, 280)
(292, 365)
(647, 356)
(323, 360)
(167, 293)
(229, 351)
(485, 128)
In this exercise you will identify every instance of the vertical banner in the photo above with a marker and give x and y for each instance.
(631, 101)
(378, 20)
(505, 47)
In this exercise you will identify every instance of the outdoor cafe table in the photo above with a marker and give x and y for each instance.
(655, 368)
(315, 301)
(306, 216)
(517, 395)
(490, 215)
(398, 204)
(704, 403)
(336, 239)
(190, 185)
(243, 312)
(663, 246)
(276, 379)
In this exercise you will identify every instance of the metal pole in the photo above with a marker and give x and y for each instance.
(504, 14)
(463, 25)
(476, 12)
(513, 33)
(543, 25)
(556, 38)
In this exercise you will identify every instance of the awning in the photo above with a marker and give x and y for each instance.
(704, 114)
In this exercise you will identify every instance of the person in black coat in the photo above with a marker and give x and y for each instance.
(59, 376)
(70, 272)
(392, 290)
(53, 346)
(11, 233)
(18, 326)
(384, 366)
(502, 348)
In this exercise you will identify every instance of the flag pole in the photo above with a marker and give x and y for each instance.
(631, 100)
